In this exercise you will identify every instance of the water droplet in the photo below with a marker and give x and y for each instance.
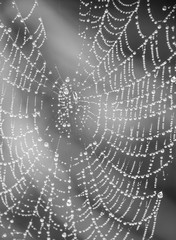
(164, 8)
(4, 235)
(67, 79)
(1, 25)
(65, 91)
(64, 235)
(65, 224)
(173, 79)
(159, 26)
(69, 203)
(75, 96)
(46, 144)
(160, 195)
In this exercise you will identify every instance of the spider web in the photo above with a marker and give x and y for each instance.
(83, 158)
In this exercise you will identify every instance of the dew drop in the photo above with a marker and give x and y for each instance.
(85, 153)
(65, 224)
(64, 235)
(69, 203)
(1, 25)
(75, 96)
(162, 150)
(46, 144)
(159, 26)
(65, 91)
(67, 79)
(164, 8)
(4, 235)
(173, 79)
(160, 195)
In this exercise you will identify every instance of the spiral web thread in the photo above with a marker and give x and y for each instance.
(83, 159)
